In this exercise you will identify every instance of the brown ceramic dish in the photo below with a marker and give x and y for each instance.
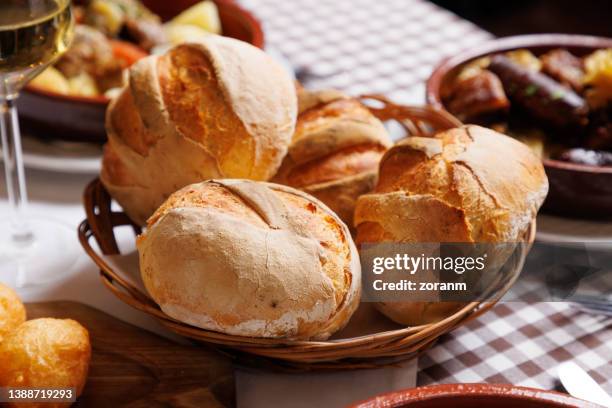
(575, 189)
(473, 395)
(77, 118)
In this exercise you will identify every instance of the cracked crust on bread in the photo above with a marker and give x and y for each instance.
(216, 109)
(251, 259)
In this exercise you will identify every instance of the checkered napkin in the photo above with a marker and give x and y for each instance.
(390, 47)
(522, 344)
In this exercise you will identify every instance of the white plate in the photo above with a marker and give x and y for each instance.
(61, 156)
(574, 232)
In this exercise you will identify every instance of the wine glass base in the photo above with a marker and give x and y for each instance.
(48, 256)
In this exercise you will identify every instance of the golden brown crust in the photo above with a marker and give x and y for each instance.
(45, 353)
(217, 109)
(114, 169)
(207, 195)
(12, 311)
(335, 150)
(315, 117)
(406, 218)
(463, 170)
(335, 125)
(308, 100)
(344, 163)
(468, 184)
(273, 261)
(127, 123)
(188, 82)
(342, 194)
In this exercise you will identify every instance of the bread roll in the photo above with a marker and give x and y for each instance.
(12, 311)
(45, 353)
(251, 259)
(468, 184)
(335, 150)
(217, 109)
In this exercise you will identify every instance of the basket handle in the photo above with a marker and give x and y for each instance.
(100, 222)
(416, 120)
(102, 219)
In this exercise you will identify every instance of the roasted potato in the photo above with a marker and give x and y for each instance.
(12, 311)
(45, 353)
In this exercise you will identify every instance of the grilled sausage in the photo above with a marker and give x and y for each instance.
(540, 95)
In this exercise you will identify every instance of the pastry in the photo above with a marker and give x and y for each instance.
(12, 311)
(45, 353)
(251, 259)
(468, 184)
(220, 108)
(335, 150)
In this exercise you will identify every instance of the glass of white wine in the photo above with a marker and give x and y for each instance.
(33, 33)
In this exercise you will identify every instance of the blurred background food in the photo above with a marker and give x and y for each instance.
(111, 35)
(553, 16)
(559, 103)
(68, 102)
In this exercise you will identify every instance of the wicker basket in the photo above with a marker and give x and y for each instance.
(368, 351)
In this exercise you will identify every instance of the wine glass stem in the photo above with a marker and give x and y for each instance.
(14, 171)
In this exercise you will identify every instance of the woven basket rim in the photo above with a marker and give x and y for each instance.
(110, 278)
(363, 351)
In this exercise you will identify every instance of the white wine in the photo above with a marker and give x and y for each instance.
(32, 34)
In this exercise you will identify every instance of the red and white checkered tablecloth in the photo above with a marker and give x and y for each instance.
(390, 47)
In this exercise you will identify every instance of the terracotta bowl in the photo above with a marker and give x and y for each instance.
(575, 190)
(473, 395)
(77, 118)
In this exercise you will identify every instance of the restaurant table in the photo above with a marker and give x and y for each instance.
(361, 46)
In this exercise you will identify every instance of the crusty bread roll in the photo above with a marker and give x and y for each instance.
(468, 184)
(335, 150)
(251, 259)
(12, 311)
(217, 109)
(45, 353)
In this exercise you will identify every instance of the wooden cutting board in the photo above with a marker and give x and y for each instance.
(131, 367)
